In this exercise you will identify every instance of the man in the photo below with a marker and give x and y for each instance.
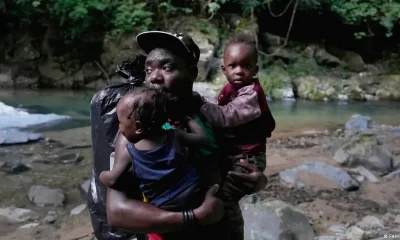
(171, 64)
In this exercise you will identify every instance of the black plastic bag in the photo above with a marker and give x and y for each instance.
(104, 128)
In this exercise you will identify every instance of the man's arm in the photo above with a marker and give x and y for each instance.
(141, 217)
(244, 108)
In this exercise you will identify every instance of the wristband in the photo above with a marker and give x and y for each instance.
(189, 219)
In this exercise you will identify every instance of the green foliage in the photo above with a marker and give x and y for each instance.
(362, 12)
(87, 20)
(128, 16)
(272, 79)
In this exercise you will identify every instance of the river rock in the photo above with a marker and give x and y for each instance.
(14, 167)
(367, 150)
(326, 238)
(77, 210)
(388, 218)
(325, 58)
(316, 88)
(17, 215)
(370, 223)
(389, 87)
(70, 158)
(365, 173)
(5, 76)
(321, 175)
(50, 219)
(207, 90)
(29, 225)
(206, 35)
(84, 188)
(14, 136)
(337, 229)
(275, 220)
(355, 233)
(46, 197)
(358, 122)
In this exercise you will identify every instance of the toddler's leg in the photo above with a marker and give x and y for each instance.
(230, 187)
(109, 178)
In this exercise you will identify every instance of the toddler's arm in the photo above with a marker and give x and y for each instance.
(196, 138)
(109, 178)
(244, 108)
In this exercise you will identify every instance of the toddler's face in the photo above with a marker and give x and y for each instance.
(240, 64)
(128, 126)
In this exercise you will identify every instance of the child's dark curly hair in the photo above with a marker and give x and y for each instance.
(149, 107)
(242, 38)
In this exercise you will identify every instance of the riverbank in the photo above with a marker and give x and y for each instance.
(64, 159)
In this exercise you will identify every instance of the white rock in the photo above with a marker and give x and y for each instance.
(338, 229)
(77, 210)
(17, 215)
(397, 220)
(30, 225)
(355, 233)
(369, 223)
(367, 174)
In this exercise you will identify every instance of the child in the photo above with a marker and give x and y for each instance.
(242, 111)
(167, 179)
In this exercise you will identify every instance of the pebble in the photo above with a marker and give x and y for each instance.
(50, 219)
(78, 209)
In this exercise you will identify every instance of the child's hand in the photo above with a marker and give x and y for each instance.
(197, 101)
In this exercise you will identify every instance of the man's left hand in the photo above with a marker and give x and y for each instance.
(252, 181)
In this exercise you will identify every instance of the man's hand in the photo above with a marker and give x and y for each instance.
(212, 208)
(252, 181)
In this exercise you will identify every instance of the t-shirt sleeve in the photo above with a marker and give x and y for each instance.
(244, 108)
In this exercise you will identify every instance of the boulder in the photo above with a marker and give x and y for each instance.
(52, 74)
(317, 88)
(318, 174)
(205, 34)
(275, 220)
(115, 51)
(272, 40)
(389, 88)
(25, 50)
(5, 76)
(365, 149)
(324, 58)
(207, 90)
(46, 197)
(392, 175)
(358, 122)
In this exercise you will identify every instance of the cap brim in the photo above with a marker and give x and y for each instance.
(151, 40)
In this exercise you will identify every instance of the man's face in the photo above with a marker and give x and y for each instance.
(240, 65)
(169, 72)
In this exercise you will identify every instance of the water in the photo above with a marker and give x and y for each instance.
(290, 116)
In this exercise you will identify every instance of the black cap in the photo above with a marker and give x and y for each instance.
(179, 43)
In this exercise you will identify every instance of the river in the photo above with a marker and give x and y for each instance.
(289, 115)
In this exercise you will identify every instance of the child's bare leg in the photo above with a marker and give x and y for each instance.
(109, 178)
